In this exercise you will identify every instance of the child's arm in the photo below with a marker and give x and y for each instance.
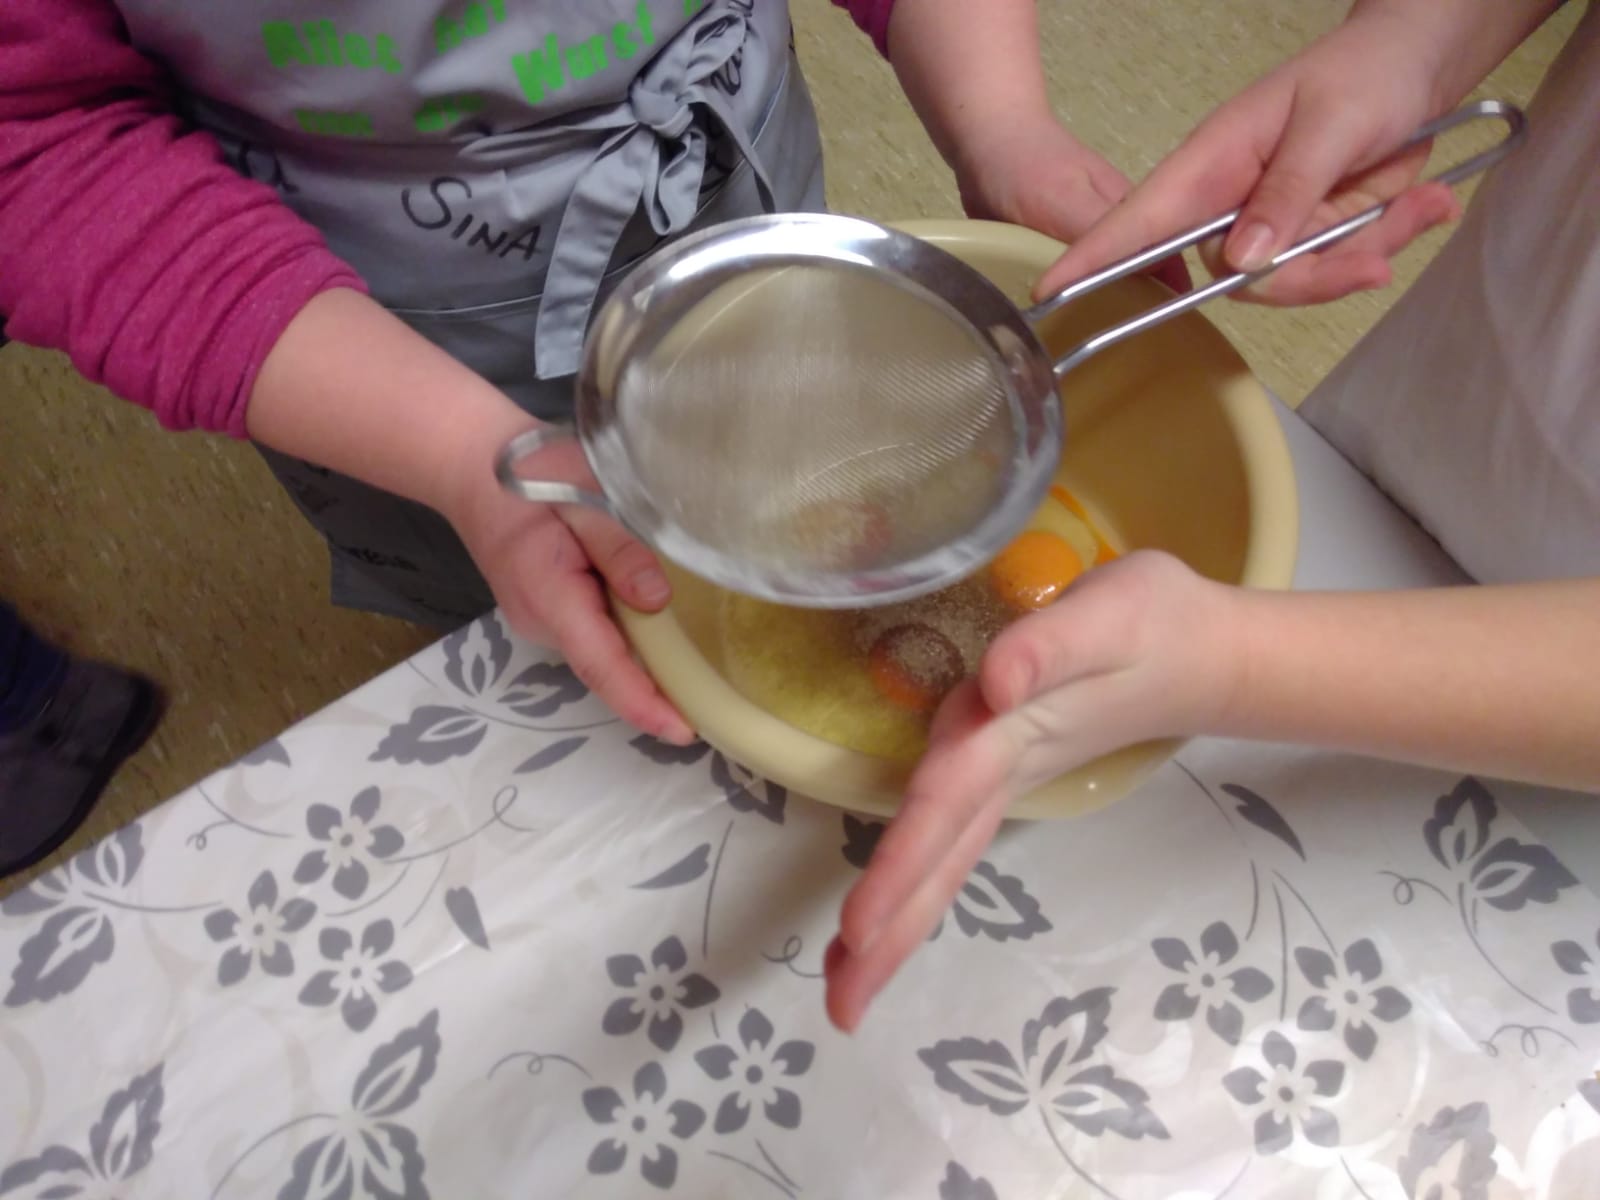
(350, 386)
(1324, 119)
(124, 238)
(127, 241)
(974, 76)
(1497, 680)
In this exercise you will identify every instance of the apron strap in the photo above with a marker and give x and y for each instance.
(657, 160)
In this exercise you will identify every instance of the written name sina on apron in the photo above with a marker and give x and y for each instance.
(490, 169)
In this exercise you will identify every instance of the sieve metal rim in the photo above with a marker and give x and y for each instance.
(679, 273)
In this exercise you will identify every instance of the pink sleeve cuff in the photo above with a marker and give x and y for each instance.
(125, 239)
(872, 16)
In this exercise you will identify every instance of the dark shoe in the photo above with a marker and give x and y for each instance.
(54, 768)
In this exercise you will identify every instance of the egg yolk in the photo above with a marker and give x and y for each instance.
(1035, 569)
(1104, 552)
(913, 666)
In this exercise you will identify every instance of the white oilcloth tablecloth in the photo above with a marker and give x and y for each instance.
(461, 934)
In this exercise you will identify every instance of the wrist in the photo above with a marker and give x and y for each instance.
(465, 490)
(1224, 667)
(1454, 43)
(350, 387)
(997, 146)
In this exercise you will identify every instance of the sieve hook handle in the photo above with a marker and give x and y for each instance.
(542, 491)
(1516, 131)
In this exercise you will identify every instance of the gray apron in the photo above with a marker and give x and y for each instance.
(490, 169)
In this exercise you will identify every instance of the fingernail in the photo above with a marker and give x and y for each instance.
(649, 586)
(677, 733)
(868, 936)
(1252, 249)
(834, 955)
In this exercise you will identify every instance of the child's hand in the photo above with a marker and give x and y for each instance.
(1299, 151)
(546, 566)
(1037, 174)
(1138, 649)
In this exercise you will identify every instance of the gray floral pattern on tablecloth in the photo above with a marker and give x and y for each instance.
(1284, 1098)
(371, 1153)
(352, 842)
(990, 904)
(1265, 971)
(359, 975)
(1452, 1155)
(656, 995)
(1583, 1001)
(79, 932)
(1348, 998)
(1057, 1075)
(642, 1126)
(1504, 873)
(477, 657)
(754, 1069)
(121, 1144)
(1211, 979)
(958, 1184)
(261, 934)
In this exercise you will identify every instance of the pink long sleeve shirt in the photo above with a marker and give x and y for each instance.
(128, 242)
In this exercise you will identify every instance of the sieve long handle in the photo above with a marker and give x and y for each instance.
(1516, 130)
(543, 491)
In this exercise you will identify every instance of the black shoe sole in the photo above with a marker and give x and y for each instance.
(144, 714)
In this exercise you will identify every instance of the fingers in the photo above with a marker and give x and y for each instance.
(854, 979)
(574, 608)
(1361, 262)
(625, 562)
(947, 793)
(1278, 151)
(1208, 174)
(1321, 142)
(1085, 633)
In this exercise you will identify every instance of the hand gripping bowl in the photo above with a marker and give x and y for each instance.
(1172, 441)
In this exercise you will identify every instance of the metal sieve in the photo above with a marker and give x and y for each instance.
(819, 411)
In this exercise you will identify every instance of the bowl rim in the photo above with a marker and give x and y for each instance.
(778, 751)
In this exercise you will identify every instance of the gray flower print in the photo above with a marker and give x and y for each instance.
(659, 993)
(747, 792)
(1057, 1071)
(1583, 1002)
(666, 754)
(1589, 1089)
(1207, 981)
(476, 654)
(433, 734)
(997, 906)
(1285, 1097)
(121, 1144)
(351, 841)
(755, 1070)
(1346, 998)
(267, 752)
(358, 977)
(543, 689)
(1507, 874)
(641, 1127)
(78, 934)
(960, 1184)
(258, 934)
(990, 903)
(1452, 1155)
(370, 1154)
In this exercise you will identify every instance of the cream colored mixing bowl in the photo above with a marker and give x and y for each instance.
(1169, 437)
